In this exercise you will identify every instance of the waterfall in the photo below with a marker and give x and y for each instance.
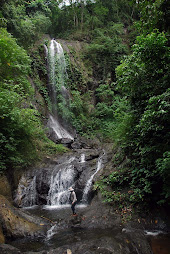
(57, 75)
(89, 182)
(60, 183)
(56, 54)
(59, 130)
(82, 158)
(49, 185)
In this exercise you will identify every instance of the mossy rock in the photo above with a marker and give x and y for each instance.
(18, 224)
(5, 188)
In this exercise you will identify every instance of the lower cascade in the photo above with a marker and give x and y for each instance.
(49, 185)
(59, 184)
(89, 182)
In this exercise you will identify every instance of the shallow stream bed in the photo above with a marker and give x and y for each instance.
(66, 232)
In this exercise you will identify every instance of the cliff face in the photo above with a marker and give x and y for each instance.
(81, 69)
(74, 49)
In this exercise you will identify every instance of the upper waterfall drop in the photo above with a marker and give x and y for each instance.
(59, 129)
(56, 54)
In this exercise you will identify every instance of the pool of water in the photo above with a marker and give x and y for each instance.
(55, 214)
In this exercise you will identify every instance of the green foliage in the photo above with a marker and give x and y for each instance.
(27, 20)
(14, 61)
(23, 139)
(143, 79)
(140, 125)
(163, 166)
(22, 136)
(51, 148)
(147, 66)
(18, 127)
(106, 50)
(123, 120)
(154, 14)
(39, 72)
(79, 19)
(79, 108)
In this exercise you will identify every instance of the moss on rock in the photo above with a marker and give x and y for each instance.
(5, 188)
(16, 223)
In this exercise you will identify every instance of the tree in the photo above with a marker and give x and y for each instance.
(145, 73)
(106, 51)
(143, 78)
(154, 14)
(27, 21)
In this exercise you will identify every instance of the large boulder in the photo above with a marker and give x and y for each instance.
(16, 223)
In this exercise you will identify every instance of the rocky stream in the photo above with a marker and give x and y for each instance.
(43, 222)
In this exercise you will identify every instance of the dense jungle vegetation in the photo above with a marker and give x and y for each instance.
(122, 98)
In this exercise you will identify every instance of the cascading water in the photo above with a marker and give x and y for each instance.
(49, 186)
(59, 130)
(57, 67)
(60, 183)
(82, 158)
(89, 182)
(58, 93)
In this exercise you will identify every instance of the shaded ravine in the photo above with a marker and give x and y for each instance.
(96, 229)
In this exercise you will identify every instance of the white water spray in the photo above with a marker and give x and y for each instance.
(89, 182)
(58, 129)
(82, 160)
(57, 64)
(60, 182)
(51, 232)
(153, 233)
(57, 77)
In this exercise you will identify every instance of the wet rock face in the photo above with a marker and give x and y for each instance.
(8, 249)
(16, 223)
(43, 186)
(52, 135)
(5, 188)
(84, 143)
(106, 244)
